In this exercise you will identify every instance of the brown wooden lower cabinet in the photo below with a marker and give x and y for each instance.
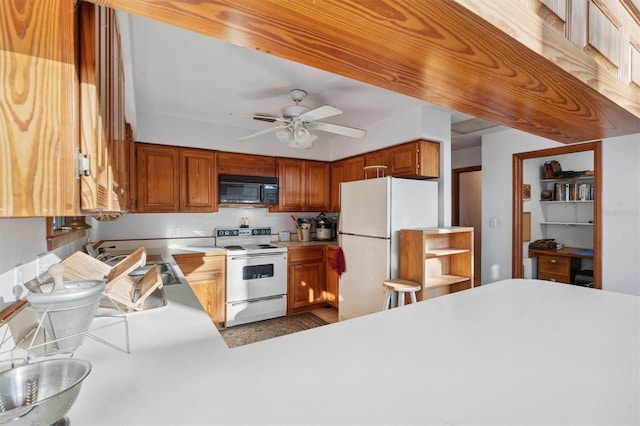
(560, 269)
(331, 294)
(306, 278)
(205, 273)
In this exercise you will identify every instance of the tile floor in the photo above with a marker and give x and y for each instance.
(328, 314)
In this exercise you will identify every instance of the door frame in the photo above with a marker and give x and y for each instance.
(516, 239)
(455, 191)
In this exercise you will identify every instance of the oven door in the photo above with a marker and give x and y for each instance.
(255, 310)
(256, 276)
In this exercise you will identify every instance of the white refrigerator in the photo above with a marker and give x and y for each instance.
(372, 212)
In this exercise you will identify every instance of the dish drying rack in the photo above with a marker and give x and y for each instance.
(28, 332)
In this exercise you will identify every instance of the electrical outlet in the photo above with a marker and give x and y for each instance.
(44, 261)
(42, 265)
(19, 273)
(175, 231)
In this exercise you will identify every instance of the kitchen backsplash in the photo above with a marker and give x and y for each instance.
(189, 225)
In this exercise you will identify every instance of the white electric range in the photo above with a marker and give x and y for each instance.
(256, 286)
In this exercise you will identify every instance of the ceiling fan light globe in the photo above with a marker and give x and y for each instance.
(307, 141)
(304, 138)
(302, 134)
(285, 136)
(307, 144)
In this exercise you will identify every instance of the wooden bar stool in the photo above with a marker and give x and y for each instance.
(399, 287)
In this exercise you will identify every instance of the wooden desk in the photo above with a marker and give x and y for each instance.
(559, 265)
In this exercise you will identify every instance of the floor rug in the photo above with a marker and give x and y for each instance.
(268, 329)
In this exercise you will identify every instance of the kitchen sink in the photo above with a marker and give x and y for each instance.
(167, 274)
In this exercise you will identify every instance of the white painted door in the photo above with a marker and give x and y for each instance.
(471, 213)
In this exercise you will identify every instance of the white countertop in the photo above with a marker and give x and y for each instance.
(513, 352)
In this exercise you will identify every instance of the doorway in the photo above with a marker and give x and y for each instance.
(518, 201)
(466, 209)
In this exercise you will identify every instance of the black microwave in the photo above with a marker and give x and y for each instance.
(249, 191)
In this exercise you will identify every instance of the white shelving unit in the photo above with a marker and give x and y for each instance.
(571, 203)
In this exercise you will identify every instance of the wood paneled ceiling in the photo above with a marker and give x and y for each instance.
(436, 51)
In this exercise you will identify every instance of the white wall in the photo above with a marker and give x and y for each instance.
(436, 126)
(621, 214)
(467, 157)
(497, 151)
(22, 240)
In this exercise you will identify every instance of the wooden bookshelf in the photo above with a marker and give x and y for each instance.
(440, 259)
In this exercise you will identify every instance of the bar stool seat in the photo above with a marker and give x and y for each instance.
(399, 287)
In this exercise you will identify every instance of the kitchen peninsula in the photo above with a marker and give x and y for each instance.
(513, 352)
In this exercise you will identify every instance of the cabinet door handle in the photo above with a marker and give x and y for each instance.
(552, 279)
(553, 261)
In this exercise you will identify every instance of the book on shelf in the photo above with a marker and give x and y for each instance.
(573, 192)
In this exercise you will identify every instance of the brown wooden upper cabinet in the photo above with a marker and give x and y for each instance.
(346, 170)
(418, 159)
(172, 179)
(49, 117)
(231, 163)
(376, 158)
(304, 185)
(102, 135)
(158, 168)
(198, 181)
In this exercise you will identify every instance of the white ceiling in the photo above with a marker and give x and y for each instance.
(178, 73)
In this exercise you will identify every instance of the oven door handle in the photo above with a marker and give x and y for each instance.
(262, 299)
(257, 255)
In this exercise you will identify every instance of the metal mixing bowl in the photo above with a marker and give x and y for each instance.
(41, 393)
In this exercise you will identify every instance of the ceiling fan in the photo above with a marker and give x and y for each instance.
(296, 122)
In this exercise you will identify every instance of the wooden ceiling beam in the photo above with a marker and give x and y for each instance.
(437, 51)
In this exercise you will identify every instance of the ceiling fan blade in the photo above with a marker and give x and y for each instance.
(320, 113)
(260, 133)
(352, 132)
(269, 118)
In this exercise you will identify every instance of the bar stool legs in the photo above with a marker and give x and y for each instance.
(399, 287)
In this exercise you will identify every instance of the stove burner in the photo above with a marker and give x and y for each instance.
(234, 247)
(266, 246)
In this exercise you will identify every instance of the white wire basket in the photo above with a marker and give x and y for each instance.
(67, 315)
